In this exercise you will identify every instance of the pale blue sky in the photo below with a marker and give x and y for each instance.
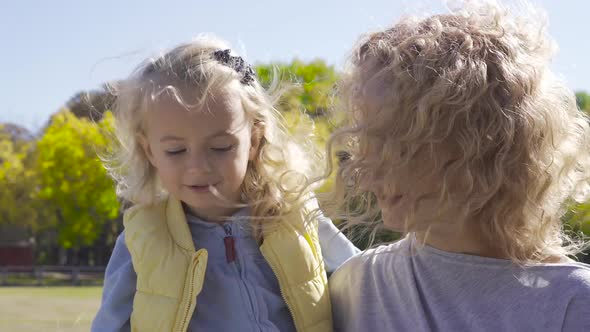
(52, 49)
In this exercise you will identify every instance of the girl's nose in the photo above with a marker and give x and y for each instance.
(200, 163)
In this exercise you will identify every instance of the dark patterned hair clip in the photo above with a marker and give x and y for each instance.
(236, 63)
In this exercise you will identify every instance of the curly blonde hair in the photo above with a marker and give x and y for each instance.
(476, 82)
(275, 181)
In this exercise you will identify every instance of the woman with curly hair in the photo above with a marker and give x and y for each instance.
(460, 137)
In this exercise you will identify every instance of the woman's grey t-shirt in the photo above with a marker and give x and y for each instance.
(401, 287)
(243, 295)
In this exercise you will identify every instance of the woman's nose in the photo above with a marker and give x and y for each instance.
(370, 184)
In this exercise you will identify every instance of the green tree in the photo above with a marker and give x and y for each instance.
(578, 217)
(308, 86)
(91, 104)
(306, 91)
(583, 100)
(73, 183)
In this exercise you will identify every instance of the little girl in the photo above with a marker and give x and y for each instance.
(221, 237)
(472, 149)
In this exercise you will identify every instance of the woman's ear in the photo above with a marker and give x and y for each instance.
(255, 140)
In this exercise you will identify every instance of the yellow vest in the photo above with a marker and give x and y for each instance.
(170, 272)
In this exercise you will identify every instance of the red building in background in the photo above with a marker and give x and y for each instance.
(16, 247)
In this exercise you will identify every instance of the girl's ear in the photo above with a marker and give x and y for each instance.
(255, 139)
(145, 146)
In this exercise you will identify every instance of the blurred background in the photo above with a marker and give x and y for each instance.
(59, 216)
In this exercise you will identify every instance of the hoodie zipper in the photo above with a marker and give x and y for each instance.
(231, 257)
(230, 245)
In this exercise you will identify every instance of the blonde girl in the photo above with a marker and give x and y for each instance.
(221, 235)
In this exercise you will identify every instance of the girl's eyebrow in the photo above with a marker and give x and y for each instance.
(221, 133)
(214, 135)
(170, 138)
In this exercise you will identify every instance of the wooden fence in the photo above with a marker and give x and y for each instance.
(47, 275)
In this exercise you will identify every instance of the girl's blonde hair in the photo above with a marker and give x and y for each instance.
(275, 181)
(476, 81)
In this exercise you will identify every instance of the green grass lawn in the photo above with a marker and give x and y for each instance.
(41, 309)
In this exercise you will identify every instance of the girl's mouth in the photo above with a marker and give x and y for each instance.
(199, 188)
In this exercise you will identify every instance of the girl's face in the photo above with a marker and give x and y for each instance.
(201, 154)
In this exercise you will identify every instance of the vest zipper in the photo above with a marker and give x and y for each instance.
(186, 318)
(287, 300)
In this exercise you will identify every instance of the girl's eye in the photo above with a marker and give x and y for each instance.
(175, 152)
(223, 149)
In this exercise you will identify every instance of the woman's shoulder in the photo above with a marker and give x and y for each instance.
(573, 275)
(368, 263)
(572, 282)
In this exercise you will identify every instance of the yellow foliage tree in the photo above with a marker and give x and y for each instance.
(17, 182)
(72, 179)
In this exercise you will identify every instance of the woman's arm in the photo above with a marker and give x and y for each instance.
(336, 248)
